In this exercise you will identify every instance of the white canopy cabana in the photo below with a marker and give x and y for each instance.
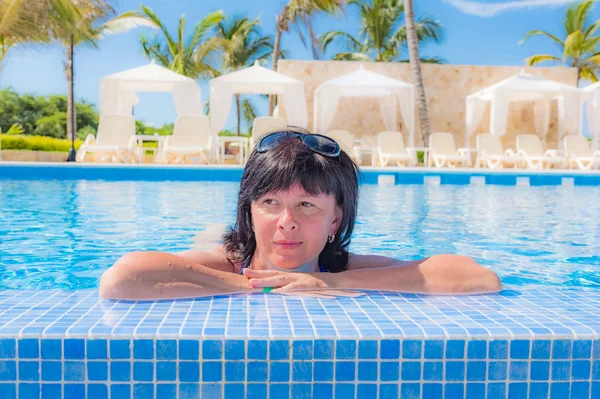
(592, 97)
(256, 80)
(394, 95)
(117, 91)
(525, 87)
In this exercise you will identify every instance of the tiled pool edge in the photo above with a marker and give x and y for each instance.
(370, 175)
(511, 349)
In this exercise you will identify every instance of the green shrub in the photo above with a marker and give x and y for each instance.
(36, 143)
(52, 126)
(84, 131)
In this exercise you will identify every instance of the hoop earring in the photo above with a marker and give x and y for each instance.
(331, 238)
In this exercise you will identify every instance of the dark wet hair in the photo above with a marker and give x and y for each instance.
(289, 163)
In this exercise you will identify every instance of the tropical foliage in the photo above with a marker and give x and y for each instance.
(36, 143)
(579, 48)
(382, 35)
(242, 45)
(300, 13)
(195, 56)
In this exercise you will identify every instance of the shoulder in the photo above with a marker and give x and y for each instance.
(214, 258)
(356, 262)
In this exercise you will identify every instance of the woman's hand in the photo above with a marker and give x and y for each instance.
(284, 281)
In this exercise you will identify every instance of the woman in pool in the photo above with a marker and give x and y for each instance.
(296, 211)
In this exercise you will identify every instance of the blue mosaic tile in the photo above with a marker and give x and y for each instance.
(8, 348)
(517, 390)
(498, 349)
(166, 349)
(51, 391)
(430, 390)
(519, 349)
(120, 371)
(323, 349)
(389, 349)
(596, 370)
(235, 350)
(580, 390)
(541, 349)
(74, 349)
(29, 390)
(257, 350)
(345, 349)
(213, 371)
(367, 349)
(454, 391)
(143, 349)
(302, 350)
(538, 390)
(189, 350)
(30, 348)
(410, 390)
(144, 371)
(256, 391)
(432, 371)
(559, 390)
(366, 391)
(582, 349)
(324, 391)
(257, 371)
(120, 391)
(95, 391)
(233, 391)
(388, 391)
(455, 349)
(235, 371)
(51, 349)
(434, 349)
(476, 371)
(580, 369)
(280, 372)
(279, 350)
(540, 371)
(166, 371)
(96, 349)
(189, 391)
(367, 371)
(455, 371)
(119, 349)
(411, 371)
(477, 350)
(74, 391)
(497, 370)
(475, 390)
(97, 371)
(9, 390)
(411, 349)
(561, 349)
(51, 371)
(561, 371)
(518, 371)
(279, 391)
(345, 371)
(496, 390)
(29, 371)
(302, 372)
(74, 371)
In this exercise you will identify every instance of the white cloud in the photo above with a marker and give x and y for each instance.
(491, 9)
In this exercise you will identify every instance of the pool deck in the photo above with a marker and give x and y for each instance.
(515, 344)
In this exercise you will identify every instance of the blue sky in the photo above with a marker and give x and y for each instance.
(478, 32)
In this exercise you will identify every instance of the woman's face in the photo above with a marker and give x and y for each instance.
(291, 227)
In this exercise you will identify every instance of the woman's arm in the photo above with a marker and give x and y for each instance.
(436, 274)
(439, 274)
(160, 275)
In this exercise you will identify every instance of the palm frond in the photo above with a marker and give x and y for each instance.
(542, 33)
(248, 112)
(124, 23)
(351, 57)
(337, 35)
(536, 59)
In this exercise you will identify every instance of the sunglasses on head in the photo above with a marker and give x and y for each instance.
(318, 143)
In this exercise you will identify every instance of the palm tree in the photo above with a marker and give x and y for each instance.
(90, 26)
(412, 35)
(579, 48)
(382, 36)
(194, 57)
(300, 13)
(243, 45)
(28, 21)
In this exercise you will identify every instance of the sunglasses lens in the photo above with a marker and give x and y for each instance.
(321, 144)
(269, 141)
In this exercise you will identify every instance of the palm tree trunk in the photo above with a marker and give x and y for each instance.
(415, 66)
(70, 74)
(281, 23)
(239, 112)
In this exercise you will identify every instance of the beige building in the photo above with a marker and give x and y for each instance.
(447, 87)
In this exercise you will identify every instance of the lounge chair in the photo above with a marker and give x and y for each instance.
(390, 147)
(115, 140)
(490, 153)
(346, 141)
(579, 154)
(263, 125)
(443, 152)
(191, 138)
(530, 147)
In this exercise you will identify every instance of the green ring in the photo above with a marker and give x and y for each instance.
(266, 290)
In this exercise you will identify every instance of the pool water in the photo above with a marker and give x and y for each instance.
(64, 234)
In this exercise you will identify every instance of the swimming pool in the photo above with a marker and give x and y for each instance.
(538, 338)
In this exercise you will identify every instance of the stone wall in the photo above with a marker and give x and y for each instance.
(33, 156)
(447, 87)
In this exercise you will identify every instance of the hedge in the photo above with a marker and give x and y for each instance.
(36, 143)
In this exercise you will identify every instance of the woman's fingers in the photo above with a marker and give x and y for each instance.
(260, 273)
(275, 281)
